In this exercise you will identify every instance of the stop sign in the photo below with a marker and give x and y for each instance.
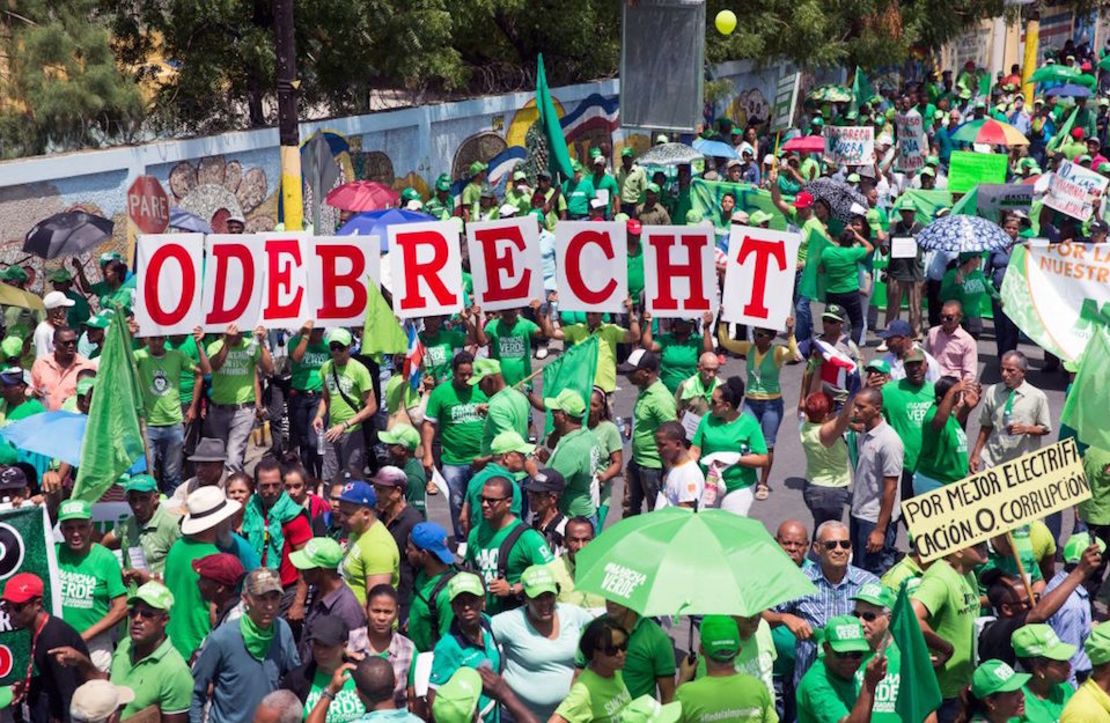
(147, 205)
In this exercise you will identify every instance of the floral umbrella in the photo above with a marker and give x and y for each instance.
(669, 154)
(959, 234)
(840, 196)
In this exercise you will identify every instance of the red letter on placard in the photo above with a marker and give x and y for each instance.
(331, 279)
(574, 271)
(764, 251)
(692, 270)
(495, 263)
(414, 270)
(221, 254)
(281, 277)
(160, 256)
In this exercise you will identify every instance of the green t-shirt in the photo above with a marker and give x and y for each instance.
(577, 457)
(717, 435)
(188, 347)
(161, 383)
(905, 407)
(80, 312)
(233, 383)
(460, 425)
(424, 630)
(952, 600)
(189, 623)
(508, 410)
(653, 406)
(374, 552)
(735, 698)
(906, 573)
(439, 350)
(943, 455)
(354, 383)
(678, 360)
(607, 183)
(161, 679)
(824, 697)
(578, 195)
(886, 692)
(635, 266)
(483, 549)
(841, 268)
(87, 584)
(398, 392)
(512, 346)
(346, 706)
(609, 335)
(471, 194)
(825, 466)
(474, 491)
(650, 656)
(973, 292)
(594, 699)
(608, 441)
(417, 489)
(306, 372)
(1046, 710)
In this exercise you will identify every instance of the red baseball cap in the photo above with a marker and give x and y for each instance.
(803, 200)
(634, 226)
(22, 587)
(222, 568)
(1077, 133)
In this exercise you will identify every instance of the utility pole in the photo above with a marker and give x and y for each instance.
(1029, 65)
(287, 87)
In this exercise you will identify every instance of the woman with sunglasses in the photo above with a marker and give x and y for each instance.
(598, 694)
(727, 429)
(943, 458)
(994, 695)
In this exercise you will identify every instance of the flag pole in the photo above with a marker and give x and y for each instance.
(141, 411)
(1020, 566)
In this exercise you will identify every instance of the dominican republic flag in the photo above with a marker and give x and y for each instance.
(414, 355)
(834, 356)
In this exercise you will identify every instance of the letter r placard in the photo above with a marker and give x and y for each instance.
(759, 277)
(426, 269)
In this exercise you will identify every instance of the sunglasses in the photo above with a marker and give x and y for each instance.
(949, 317)
(144, 613)
(492, 500)
(832, 544)
(852, 654)
(614, 649)
(336, 347)
(868, 616)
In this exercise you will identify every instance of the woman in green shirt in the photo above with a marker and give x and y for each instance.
(994, 695)
(726, 429)
(967, 284)
(840, 265)
(611, 447)
(1046, 658)
(598, 694)
(678, 349)
(943, 457)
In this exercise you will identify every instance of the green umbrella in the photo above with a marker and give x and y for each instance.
(1062, 74)
(677, 562)
(830, 93)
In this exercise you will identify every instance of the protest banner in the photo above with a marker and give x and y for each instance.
(168, 299)
(426, 268)
(1068, 197)
(911, 144)
(705, 199)
(994, 199)
(26, 545)
(1082, 177)
(680, 279)
(759, 277)
(505, 262)
(338, 269)
(1058, 294)
(234, 279)
(850, 145)
(996, 501)
(786, 101)
(966, 169)
(591, 261)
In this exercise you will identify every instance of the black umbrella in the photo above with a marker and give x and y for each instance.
(67, 234)
(839, 195)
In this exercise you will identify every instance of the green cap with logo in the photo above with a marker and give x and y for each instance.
(98, 321)
(538, 580)
(443, 183)
(483, 368)
(568, 401)
(154, 594)
(844, 634)
(875, 594)
(11, 346)
(456, 699)
(85, 386)
(1097, 646)
(318, 552)
(59, 275)
(1040, 641)
(510, 441)
(404, 435)
(74, 510)
(758, 216)
(720, 637)
(465, 582)
(995, 676)
(1077, 543)
(140, 483)
(338, 335)
(647, 709)
(878, 365)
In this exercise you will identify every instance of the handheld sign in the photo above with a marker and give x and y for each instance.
(759, 276)
(850, 145)
(680, 280)
(591, 268)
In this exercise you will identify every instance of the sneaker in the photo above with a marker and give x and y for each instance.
(881, 346)
(542, 353)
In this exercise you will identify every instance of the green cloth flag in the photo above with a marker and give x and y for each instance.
(984, 86)
(918, 690)
(113, 438)
(28, 547)
(1087, 408)
(381, 332)
(927, 203)
(1063, 133)
(861, 90)
(968, 205)
(558, 158)
(574, 369)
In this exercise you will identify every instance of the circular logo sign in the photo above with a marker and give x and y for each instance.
(11, 551)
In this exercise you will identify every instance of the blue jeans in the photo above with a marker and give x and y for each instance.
(874, 562)
(825, 503)
(769, 413)
(457, 477)
(302, 410)
(803, 318)
(166, 446)
(643, 487)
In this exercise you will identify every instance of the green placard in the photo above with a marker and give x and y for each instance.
(967, 169)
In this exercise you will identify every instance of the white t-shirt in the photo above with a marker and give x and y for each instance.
(681, 484)
(44, 339)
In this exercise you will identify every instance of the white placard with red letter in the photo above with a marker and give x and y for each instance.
(338, 269)
(759, 277)
(168, 298)
(234, 281)
(591, 262)
(285, 288)
(426, 268)
(680, 279)
(505, 262)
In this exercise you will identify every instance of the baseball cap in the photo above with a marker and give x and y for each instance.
(358, 493)
(443, 183)
(318, 552)
(507, 210)
(510, 441)
(844, 634)
(85, 386)
(74, 510)
(759, 217)
(222, 568)
(1077, 133)
(404, 435)
(568, 401)
(639, 359)
(329, 630)
(59, 275)
(546, 480)
(1097, 645)
(457, 699)
(878, 365)
(898, 327)
(390, 476)
(875, 594)
(598, 160)
(853, 178)
(21, 587)
(338, 336)
(994, 676)
(627, 152)
(465, 582)
(915, 355)
(154, 594)
(12, 478)
(96, 700)
(537, 579)
(905, 203)
(519, 176)
(410, 194)
(835, 312)
(720, 637)
(140, 483)
(1077, 543)
(11, 346)
(740, 217)
(804, 200)
(634, 226)
(1040, 641)
(110, 256)
(14, 273)
(653, 188)
(477, 167)
(647, 709)
(98, 321)
(431, 537)
(56, 300)
(263, 580)
(483, 368)
(662, 138)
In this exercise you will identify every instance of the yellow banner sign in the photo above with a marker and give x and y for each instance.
(997, 500)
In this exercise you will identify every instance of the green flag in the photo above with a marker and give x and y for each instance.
(918, 690)
(381, 333)
(1087, 408)
(968, 205)
(113, 438)
(574, 369)
(1062, 134)
(984, 86)
(558, 158)
(861, 90)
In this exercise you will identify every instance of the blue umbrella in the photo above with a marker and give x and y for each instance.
(374, 223)
(1075, 91)
(182, 220)
(717, 149)
(56, 435)
(960, 234)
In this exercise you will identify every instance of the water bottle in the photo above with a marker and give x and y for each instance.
(626, 434)
(1007, 420)
(321, 443)
(745, 449)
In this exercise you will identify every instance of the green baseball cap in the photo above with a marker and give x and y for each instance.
(98, 321)
(653, 188)
(154, 594)
(110, 256)
(140, 483)
(510, 441)
(627, 152)
(878, 365)
(443, 183)
(85, 386)
(465, 582)
(477, 167)
(905, 203)
(457, 699)
(875, 594)
(60, 275)
(537, 580)
(519, 176)
(844, 634)
(995, 676)
(13, 273)
(758, 217)
(11, 346)
(338, 336)
(1097, 646)
(1077, 543)
(647, 709)
(568, 401)
(402, 434)
(74, 510)
(1040, 641)
(853, 178)
(720, 637)
(410, 194)
(318, 552)
(483, 368)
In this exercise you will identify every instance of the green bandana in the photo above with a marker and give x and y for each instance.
(263, 531)
(694, 388)
(255, 638)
